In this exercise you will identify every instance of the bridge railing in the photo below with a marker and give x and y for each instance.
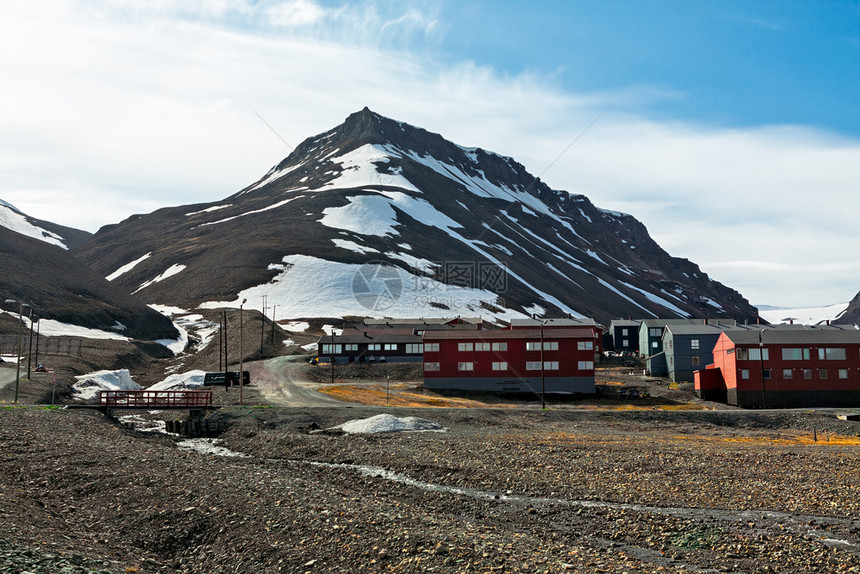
(155, 399)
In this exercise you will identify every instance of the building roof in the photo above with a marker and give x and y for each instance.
(427, 323)
(559, 322)
(391, 335)
(807, 336)
(625, 323)
(654, 323)
(512, 334)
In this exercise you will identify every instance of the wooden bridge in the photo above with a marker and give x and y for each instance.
(192, 400)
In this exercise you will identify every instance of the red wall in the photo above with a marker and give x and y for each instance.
(516, 356)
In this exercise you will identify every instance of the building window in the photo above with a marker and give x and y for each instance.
(431, 366)
(745, 374)
(795, 354)
(533, 365)
(832, 354)
(465, 346)
(655, 344)
(431, 347)
(465, 366)
(695, 361)
(671, 360)
(390, 346)
(765, 373)
(482, 346)
(807, 374)
(752, 354)
(584, 345)
(550, 365)
(623, 332)
(822, 373)
(786, 374)
(500, 346)
(414, 348)
(655, 332)
(350, 347)
(843, 374)
(550, 345)
(625, 343)
(500, 366)
(327, 349)
(585, 365)
(694, 343)
(374, 347)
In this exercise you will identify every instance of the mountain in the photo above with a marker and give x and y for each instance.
(37, 268)
(15, 220)
(379, 218)
(851, 315)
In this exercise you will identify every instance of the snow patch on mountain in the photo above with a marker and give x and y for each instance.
(128, 267)
(359, 169)
(804, 315)
(364, 214)
(267, 208)
(14, 220)
(353, 246)
(659, 300)
(170, 272)
(313, 287)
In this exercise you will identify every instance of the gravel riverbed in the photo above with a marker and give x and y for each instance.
(513, 490)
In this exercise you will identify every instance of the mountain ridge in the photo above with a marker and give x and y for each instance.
(375, 191)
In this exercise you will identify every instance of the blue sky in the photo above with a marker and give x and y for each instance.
(730, 129)
(742, 63)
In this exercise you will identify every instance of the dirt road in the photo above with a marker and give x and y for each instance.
(280, 384)
(7, 374)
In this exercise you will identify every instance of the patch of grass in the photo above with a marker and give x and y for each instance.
(377, 395)
(697, 538)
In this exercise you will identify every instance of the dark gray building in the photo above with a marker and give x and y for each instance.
(625, 335)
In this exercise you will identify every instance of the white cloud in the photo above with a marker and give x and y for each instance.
(113, 108)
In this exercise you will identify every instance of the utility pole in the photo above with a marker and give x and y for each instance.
(263, 325)
(30, 350)
(273, 323)
(20, 336)
(241, 356)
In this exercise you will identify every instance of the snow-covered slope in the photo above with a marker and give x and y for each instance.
(376, 217)
(37, 268)
(804, 315)
(14, 220)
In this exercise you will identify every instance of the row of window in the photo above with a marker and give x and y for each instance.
(482, 347)
(503, 366)
(788, 374)
(410, 348)
(791, 354)
(419, 348)
(530, 346)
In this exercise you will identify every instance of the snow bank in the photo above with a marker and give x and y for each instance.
(88, 386)
(385, 423)
(298, 326)
(180, 381)
(806, 315)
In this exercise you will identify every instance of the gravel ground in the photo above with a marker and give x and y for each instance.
(509, 490)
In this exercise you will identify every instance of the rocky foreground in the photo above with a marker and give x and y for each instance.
(499, 491)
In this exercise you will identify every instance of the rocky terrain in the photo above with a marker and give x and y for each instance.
(513, 490)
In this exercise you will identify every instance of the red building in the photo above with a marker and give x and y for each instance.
(557, 360)
(815, 367)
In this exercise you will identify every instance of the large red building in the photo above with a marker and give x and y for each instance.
(784, 369)
(556, 360)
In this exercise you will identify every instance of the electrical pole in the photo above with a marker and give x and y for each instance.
(263, 325)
